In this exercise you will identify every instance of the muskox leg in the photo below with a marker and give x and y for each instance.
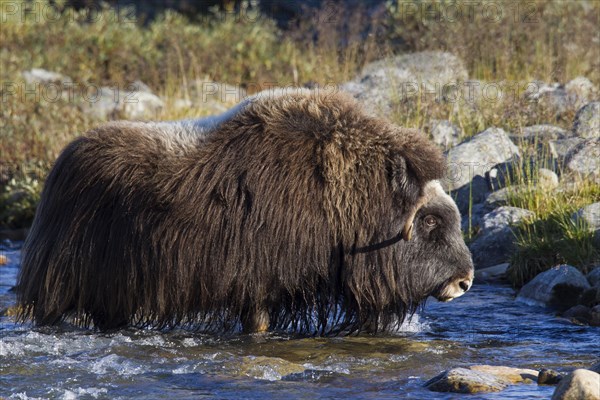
(255, 320)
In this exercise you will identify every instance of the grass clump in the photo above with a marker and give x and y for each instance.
(552, 237)
(18, 202)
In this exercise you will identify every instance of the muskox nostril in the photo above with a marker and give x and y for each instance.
(464, 285)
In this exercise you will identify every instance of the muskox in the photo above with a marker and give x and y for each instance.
(293, 211)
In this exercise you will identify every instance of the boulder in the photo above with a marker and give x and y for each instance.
(140, 105)
(581, 88)
(463, 380)
(549, 377)
(579, 313)
(470, 161)
(495, 274)
(587, 121)
(539, 134)
(444, 133)
(560, 148)
(583, 160)
(385, 82)
(588, 216)
(595, 317)
(594, 276)
(44, 77)
(3, 259)
(478, 155)
(509, 374)
(540, 291)
(561, 99)
(495, 242)
(590, 297)
(547, 179)
(581, 384)
(471, 220)
(111, 103)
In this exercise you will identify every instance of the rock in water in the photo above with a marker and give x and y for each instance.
(463, 380)
(579, 313)
(581, 384)
(540, 290)
(510, 374)
(3, 259)
(549, 377)
(268, 368)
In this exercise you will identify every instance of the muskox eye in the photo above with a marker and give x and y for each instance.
(431, 221)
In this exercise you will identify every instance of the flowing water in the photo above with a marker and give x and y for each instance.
(485, 326)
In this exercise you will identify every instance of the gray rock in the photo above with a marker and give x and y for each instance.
(561, 147)
(140, 106)
(579, 313)
(477, 156)
(590, 297)
(587, 121)
(509, 374)
(595, 317)
(581, 88)
(539, 134)
(588, 216)
(495, 242)
(463, 380)
(558, 98)
(112, 103)
(139, 86)
(43, 77)
(549, 377)
(501, 197)
(581, 384)
(385, 82)
(495, 274)
(547, 179)
(444, 133)
(540, 290)
(472, 194)
(516, 173)
(594, 276)
(584, 160)
(473, 219)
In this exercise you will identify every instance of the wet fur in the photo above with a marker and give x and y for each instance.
(152, 225)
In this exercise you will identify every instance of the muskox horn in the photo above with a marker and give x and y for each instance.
(408, 225)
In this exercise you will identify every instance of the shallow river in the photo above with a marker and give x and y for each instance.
(483, 327)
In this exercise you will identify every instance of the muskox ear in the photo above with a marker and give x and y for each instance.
(417, 158)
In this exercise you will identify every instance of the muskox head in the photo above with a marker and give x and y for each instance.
(436, 257)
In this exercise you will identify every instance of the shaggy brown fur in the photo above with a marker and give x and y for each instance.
(258, 217)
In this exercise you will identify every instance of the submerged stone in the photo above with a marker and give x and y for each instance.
(463, 380)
